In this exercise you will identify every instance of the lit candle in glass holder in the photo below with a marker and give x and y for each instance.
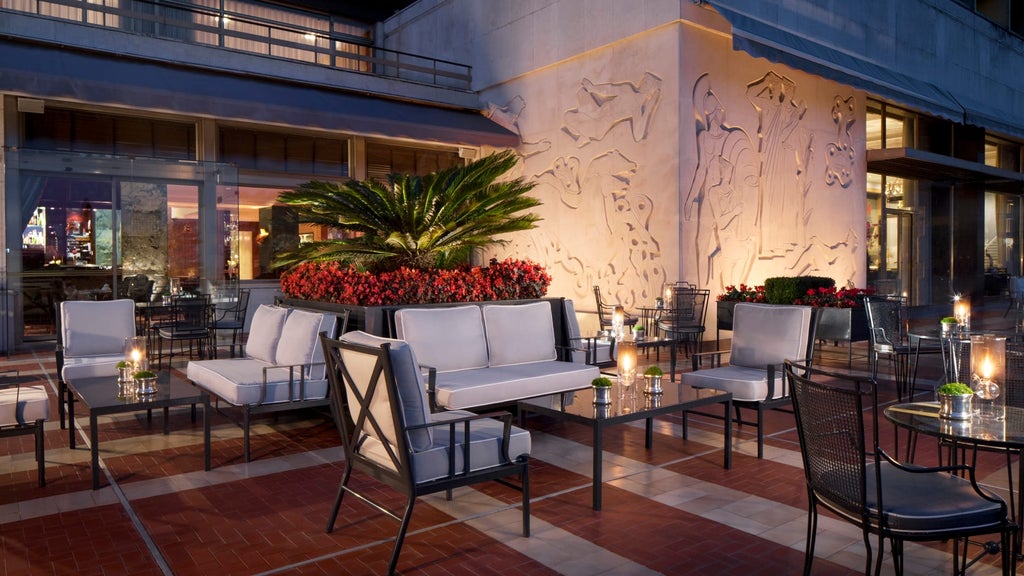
(988, 370)
(962, 313)
(626, 361)
(618, 322)
(135, 352)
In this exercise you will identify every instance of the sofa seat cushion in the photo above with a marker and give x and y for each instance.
(506, 384)
(450, 338)
(485, 447)
(238, 381)
(746, 384)
(90, 366)
(23, 405)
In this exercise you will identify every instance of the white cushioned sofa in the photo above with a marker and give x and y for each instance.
(490, 354)
(283, 367)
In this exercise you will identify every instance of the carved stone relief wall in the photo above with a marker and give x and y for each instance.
(669, 156)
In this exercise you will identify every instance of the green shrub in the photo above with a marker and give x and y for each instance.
(955, 389)
(601, 382)
(787, 289)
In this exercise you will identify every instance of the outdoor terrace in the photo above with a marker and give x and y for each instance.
(670, 510)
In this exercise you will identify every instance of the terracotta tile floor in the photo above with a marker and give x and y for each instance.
(670, 510)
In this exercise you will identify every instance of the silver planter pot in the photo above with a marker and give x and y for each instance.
(653, 384)
(602, 395)
(955, 406)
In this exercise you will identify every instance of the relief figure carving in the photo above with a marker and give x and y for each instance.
(600, 107)
(840, 155)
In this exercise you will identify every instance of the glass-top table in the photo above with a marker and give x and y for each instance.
(101, 396)
(579, 407)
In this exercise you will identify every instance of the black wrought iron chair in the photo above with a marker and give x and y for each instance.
(190, 319)
(849, 474)
(888, 340)
(381, 409)
(231, 319)
(683, 321)
(606, 311)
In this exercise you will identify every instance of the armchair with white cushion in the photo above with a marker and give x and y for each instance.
(90, 341)
(283, 367)
(23, 410)
(764, 337)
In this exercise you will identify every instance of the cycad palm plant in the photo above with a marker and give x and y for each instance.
(413, 221)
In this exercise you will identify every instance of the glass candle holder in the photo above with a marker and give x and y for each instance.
(626, 361)
(988, 375)
(135, 353)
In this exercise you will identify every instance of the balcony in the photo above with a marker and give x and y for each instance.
(252, 38)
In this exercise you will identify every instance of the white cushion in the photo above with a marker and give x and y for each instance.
(238, 381)
(485, 447)
(91, 328)
(766, 334)
(90, 367)
(300, 341)
(408, 381)
(746, 384)
(448, 339)
(265, 332)
(23, 405)
(519, 333)
(467, 389)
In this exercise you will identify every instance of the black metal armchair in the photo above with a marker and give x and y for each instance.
(605, 312)
(381, 409)
(231, 318)
(849, 474)
(888, 339)
(23, 410)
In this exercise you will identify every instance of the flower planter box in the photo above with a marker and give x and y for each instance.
(837, 324)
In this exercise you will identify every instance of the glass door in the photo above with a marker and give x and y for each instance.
(101, 227)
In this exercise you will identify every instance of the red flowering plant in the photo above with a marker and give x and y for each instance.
(742, 293)
(347, 284)
(832, 297)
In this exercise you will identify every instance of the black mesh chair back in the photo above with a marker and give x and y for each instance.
(190, 321)
(231, 318)
(885, 320)
(1015, 373)
(685, 317)
(847, 473)
(605, 311)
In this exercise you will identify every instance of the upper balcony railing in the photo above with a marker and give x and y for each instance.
(253, 27)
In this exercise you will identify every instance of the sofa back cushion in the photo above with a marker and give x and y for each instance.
(265, 333)
(96, 328)
(448, 339)
(519, 333)
(766, 334)
(300, 344)
(409, 381)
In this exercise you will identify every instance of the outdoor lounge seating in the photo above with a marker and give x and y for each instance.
(489, 355)
(23, 410)
(283, 367)
(91, 340)
(764, 336)
(389, 433)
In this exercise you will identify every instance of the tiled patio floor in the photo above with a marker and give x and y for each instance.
(670, 510)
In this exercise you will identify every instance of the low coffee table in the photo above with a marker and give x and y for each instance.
(579, 407)
(100, 396)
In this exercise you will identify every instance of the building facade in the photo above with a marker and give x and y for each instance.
(718, 142)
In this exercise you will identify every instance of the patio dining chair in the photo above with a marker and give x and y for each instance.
(606, 311)
(683, 320)
(190, 322)
(382, 412)
(849, 474)
(231, 318)
(888, 339)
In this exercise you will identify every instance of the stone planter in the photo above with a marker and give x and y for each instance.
(843, 324)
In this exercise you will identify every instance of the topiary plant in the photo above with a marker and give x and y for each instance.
(654, 371)
(601, 382)
(955, 389)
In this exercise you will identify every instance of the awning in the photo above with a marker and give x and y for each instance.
(45, 72)
(917, 164)
(765, 40)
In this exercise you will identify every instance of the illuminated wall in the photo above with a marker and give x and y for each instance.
(661, 154)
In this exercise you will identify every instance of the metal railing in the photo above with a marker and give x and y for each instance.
(317, 39)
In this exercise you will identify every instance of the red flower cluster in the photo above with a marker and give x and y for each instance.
(742, 293)
(835, 297)
(341, 284)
